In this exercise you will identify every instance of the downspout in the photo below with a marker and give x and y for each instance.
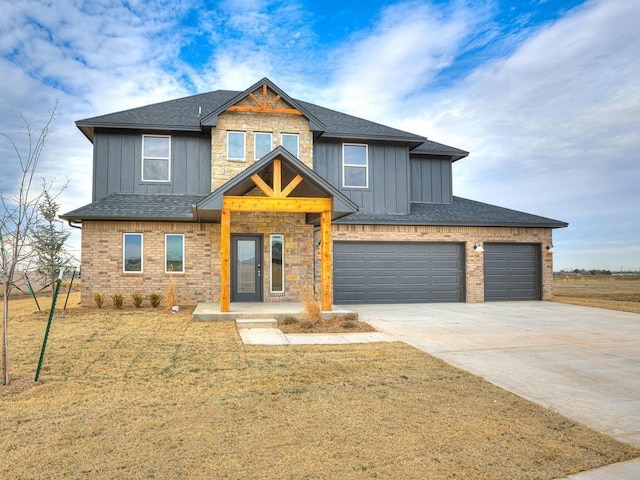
(78, 226)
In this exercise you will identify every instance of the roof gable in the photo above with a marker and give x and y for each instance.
(266, 97)
(311, 185)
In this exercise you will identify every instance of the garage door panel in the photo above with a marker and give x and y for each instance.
(394, 272)
(512, 271)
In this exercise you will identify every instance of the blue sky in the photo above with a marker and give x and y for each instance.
(544, 94)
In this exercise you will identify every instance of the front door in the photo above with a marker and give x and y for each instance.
(246, 268)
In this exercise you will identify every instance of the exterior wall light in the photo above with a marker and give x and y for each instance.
(478, 247)
(550, 249)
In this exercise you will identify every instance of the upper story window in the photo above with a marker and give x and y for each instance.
(132, 253)
(156, 158)
(261, 144)
(235, 145)
(290, 142)
(355, 165)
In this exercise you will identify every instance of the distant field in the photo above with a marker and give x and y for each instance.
(604, 291)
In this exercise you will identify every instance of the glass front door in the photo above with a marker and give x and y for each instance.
(246, 268)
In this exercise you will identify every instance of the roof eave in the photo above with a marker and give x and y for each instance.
(381, 138)
(347, 221)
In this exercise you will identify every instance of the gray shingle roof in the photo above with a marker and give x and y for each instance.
(130, 206)
(461, 212)
(178, 208)
(430, 147)
(182, 115)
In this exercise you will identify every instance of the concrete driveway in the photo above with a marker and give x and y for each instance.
(582, 362)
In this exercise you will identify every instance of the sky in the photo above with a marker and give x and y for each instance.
(544, 94)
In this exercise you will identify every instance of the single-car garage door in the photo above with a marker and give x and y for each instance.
(390, 272)
(511, 271)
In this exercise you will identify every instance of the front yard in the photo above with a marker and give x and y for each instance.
(148, 394)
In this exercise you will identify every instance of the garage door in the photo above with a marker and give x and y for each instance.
(388, 272)
(512, 271)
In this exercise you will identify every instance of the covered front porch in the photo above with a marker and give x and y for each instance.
(276, 184)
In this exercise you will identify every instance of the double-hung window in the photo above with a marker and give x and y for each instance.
(235, 145)
(290, 142)
(156, 158)
(277, 263)
(355, 165)
(261, 144)
(132, 253)
(174, 253)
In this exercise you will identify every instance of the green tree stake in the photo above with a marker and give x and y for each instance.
(46, 333)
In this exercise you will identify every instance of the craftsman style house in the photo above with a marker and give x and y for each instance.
(255, 196)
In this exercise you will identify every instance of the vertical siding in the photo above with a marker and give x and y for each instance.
(388, 190)
(430, 180)
(118, 165)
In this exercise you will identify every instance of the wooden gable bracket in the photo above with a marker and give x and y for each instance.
(262, 105)
(277, 190)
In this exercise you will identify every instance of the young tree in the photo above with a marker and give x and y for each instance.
(49, 237)
(18, 217)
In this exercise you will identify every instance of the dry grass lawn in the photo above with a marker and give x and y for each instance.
(612, 292)
(147, 394)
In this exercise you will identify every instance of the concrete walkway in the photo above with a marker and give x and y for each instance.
(274, 336)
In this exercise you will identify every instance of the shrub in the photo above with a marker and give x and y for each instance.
(312, 308)
(289, 320)
(307, 325)
(99, 299)
(172, 298)
(155, 300)
(117, 299)
(137, 299)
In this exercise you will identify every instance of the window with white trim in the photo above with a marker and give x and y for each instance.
(261, 144)
(235, 145)
(132, 253)
(156, 158)
(173, 253)
(290, 142)
(277, 263)
(355, 165)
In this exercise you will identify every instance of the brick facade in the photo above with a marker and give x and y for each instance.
(474, 261)
(102, 258)
(102, 270)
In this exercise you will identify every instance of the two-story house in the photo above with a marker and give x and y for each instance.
(256, 196)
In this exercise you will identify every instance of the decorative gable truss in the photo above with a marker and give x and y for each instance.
(269, 103)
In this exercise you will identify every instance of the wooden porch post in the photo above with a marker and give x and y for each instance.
(326, 260)
(225, 260)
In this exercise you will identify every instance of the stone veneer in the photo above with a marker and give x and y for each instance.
(474, 261)
(223, 169)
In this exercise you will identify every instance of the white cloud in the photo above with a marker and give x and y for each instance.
(401, 55)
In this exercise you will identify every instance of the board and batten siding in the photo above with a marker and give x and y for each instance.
(117, 165)
(388, 190)
(430, 180)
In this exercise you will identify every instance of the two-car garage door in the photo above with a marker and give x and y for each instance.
(420, 272)
(394, 272)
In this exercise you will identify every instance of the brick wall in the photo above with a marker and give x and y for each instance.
(102, 258)
(474, 264)
(102, 261)
(223, 169)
